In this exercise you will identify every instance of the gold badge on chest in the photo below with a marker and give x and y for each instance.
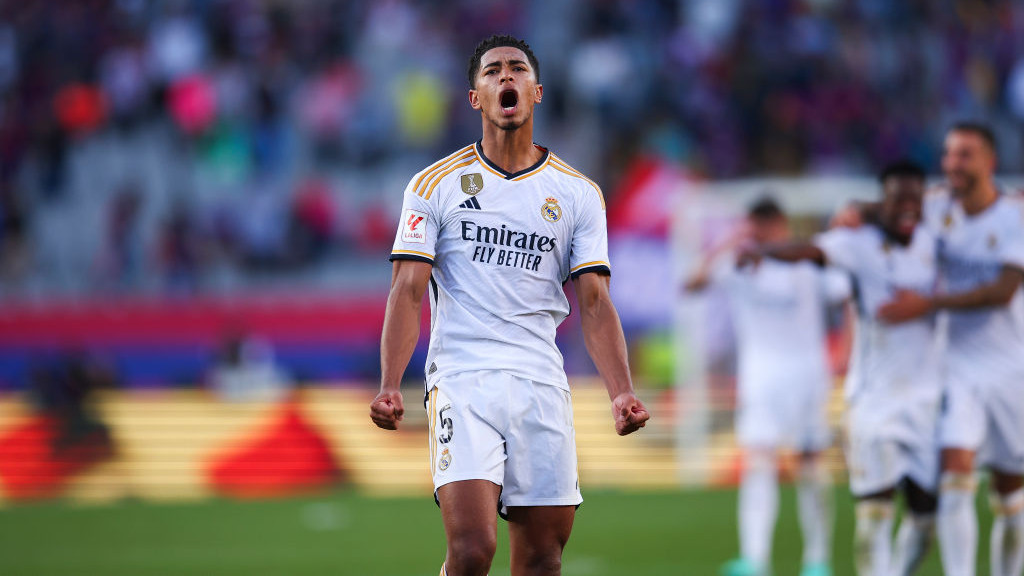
(551, 211)
(472, 184)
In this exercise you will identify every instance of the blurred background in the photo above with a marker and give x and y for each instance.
(198, 198)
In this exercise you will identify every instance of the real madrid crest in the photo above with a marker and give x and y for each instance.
(445, 461)
(472, 183)
(551, 211)
(993, 242)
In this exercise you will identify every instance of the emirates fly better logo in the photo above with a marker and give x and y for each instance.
(414, 227)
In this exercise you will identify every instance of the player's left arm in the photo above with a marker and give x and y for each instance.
(606, 343)
(908, 305)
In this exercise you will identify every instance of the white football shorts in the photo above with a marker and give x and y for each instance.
(892, 435)
(780, 414)
(516, 433)
(987, 419)
(878, 462)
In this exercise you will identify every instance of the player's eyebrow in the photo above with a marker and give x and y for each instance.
(498, 63)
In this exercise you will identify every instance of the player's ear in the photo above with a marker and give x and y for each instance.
(540, 94)
(474, 100)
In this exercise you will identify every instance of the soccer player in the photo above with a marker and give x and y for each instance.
(981, 263)
(893, 387)
(490, 234)
(783, 386)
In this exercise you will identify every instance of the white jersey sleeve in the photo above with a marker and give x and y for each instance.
(418, 227)
(589, 250)
(1012, 251)
(841, 247)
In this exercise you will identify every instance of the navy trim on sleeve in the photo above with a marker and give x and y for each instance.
(600, 268)
(394, 257)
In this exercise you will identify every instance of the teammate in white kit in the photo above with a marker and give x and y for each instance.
(783, 386)
(893, 387)
(981, 260)
(490, 234)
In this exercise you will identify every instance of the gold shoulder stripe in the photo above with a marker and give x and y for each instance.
(423, 183)
(435, 180)
(596, 187)
(439, 165)
(564, 167)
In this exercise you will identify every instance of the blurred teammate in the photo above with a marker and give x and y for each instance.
(893, 388)
(782, 390)
(490, 233)
(981, 263)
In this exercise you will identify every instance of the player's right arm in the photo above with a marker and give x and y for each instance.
(856, 214)
(413, 259)
(908, 305)
(790, 252)
(409, 279)
(705, 274)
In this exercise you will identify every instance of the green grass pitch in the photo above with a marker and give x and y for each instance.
(666, 533)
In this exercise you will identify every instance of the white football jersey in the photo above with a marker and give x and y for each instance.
(972, 250)
(887, 358)
(778, 310)
(501, 245)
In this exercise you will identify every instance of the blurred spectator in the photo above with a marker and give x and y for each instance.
(311, 230)
(64, 389)
(14, 245)
(120, 262)
(247, 371)
(180, 256)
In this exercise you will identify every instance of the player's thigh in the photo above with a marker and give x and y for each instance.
(468, 512)
(537, 537)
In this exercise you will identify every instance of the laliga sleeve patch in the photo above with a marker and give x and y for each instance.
(414, 227)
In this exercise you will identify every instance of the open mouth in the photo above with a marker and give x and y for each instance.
(907, 221)
(508, 100)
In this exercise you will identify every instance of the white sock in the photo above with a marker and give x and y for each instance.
(1007, 544)
(913, 540)
(758, 507)
(873, 537)
(814, 500)
(957, 524)
(444, 571)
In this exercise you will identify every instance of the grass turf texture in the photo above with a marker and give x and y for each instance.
(671, 533)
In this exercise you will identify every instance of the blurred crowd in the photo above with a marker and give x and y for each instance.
(185, 146)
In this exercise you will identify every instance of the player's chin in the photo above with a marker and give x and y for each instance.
(508, 123)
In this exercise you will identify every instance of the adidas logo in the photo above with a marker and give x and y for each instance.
(472, 203)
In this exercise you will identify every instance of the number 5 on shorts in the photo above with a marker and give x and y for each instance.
(446, 426)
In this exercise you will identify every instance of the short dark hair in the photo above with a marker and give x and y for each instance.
(906, 168)
(978, 129)
(497, 41)
(765, 208)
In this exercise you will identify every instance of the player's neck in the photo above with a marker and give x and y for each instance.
(510, 150)
(980, 198)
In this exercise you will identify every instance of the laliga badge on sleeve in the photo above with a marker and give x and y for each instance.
(414, 227)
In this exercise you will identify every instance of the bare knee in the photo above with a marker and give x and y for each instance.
(541, 561)
(958, 460)
(1004, 483)
(470, 555)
